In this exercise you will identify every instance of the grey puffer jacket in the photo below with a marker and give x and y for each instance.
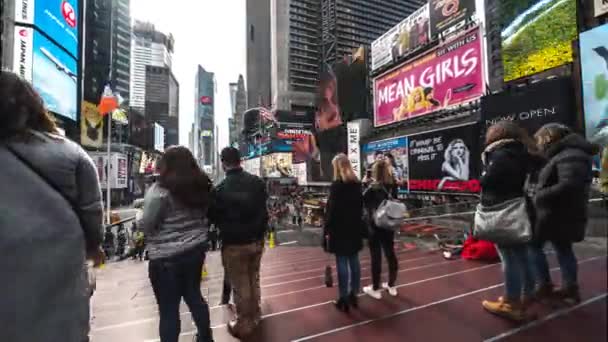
(43, 281)
(170, 228)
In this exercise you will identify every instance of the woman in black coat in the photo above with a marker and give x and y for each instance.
(507, 162)
(344, 230)
(380, 189)
(561, 203)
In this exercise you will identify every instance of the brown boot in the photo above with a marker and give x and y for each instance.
(513, 311)
(526, 301)
(545, 293)
(569, 295)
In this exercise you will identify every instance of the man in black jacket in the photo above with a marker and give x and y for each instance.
(239, 211)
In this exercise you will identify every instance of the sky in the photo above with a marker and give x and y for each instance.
(211, 33)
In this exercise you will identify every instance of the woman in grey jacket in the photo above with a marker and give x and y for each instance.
(175, 225)
(50, 221)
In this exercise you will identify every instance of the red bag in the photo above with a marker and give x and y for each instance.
(474, 249)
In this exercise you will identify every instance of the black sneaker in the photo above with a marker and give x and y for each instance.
(353, 300)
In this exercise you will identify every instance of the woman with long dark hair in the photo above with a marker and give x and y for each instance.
(507, 163)
(50, 221)
(382, 188)
(176, 227)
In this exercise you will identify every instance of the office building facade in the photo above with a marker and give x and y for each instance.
(148, 47)
(205, 87)
(121, 46)
(162, 102)
(238, 105)
(259, 52)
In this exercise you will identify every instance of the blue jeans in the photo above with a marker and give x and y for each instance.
(344, 264)
(567, 262)
(516, 269)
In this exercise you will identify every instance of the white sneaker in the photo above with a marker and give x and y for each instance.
(369, 290)
(391, 290)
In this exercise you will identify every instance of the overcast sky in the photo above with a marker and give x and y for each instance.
(207, 32)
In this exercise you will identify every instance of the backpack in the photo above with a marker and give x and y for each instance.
(390, 213)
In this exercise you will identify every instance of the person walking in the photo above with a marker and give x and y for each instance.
(239, 211)
(382, 188)
(50, 222)
(506, 165)
(175, 225)
(561, 200)
(344, 230)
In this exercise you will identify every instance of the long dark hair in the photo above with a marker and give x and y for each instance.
(181, 175)
(21, 108)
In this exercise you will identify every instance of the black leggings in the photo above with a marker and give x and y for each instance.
(383, 239)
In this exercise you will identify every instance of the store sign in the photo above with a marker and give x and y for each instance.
(448, 16)
(395, 151)
(402, 39)
(22, 52)
(445, 160)
(354, 146)
(532, 106)
(601, 7)
(449, 75)
(116, 171)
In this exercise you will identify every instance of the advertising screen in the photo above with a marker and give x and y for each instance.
(448, 16)
(449, 75)
(393, 150)
(91, 126)
(600, 7)
(57, 18)
(594, 65)
(536, 35)
(533, 106)
(408, 35)
(277, 165)
(52, 71)
(445, 160)
(252, 166)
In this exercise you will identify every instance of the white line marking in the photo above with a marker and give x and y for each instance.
(288, 243)
(416, 308)
(547, 318)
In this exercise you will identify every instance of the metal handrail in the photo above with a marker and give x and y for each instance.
(120, 222)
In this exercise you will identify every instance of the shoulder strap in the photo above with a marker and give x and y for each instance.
(42, 176)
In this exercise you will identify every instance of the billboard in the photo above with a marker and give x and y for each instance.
(448, 16)
(395, 151)
(277, 165)
(51, 70)
(117, 169)
(451, 74)
(536, 35)
(600, 7)
(594, 69)
(91, 126)
(440, 161)
(57, 18)
(532, 106)
(402, 39)
(252, 166)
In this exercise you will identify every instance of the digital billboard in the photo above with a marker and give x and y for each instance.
(394, 151)
(448, 16)
(594, 68)
(51, 70)
(277, 165)
(57, 18)
(449, 75)
(536, 35)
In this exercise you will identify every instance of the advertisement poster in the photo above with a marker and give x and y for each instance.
(402, 39)
(449, 75)
(448, 16)
(117, 172)
(252, 166)
(277, 165)
(536, 35)
(393, 150)
(594, 69)
(600, 7)
(300, 173)
(354, 146)
(533, 106)
(91, 126)
(445, 160)
(57, 18)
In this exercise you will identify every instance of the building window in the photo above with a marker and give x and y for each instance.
(251, 33)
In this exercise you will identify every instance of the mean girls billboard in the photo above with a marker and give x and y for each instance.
(449, 75)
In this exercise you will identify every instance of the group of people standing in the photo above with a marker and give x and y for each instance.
(554, 172)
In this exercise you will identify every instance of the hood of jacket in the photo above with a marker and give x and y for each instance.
(572, 141)
(511, 144)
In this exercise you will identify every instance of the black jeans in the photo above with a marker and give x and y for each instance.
(226, 290)
(176, 278)
(383, 239)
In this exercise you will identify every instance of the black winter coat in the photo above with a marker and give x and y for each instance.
(344, 218)
(563, 190)
(238, 208)
(506, 166)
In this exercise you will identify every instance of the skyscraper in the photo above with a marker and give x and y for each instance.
(258, 52)
(205, 117)
(121, 46)
(238, 101)
(305, 34)
(148, 47)
(162, 102)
